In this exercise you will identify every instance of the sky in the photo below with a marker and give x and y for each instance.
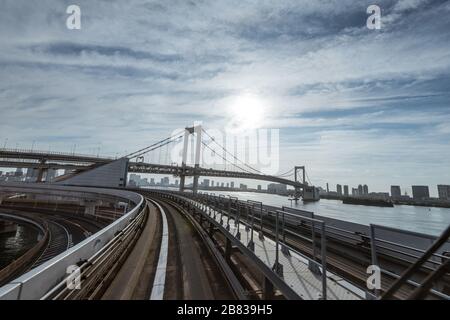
(354, 105)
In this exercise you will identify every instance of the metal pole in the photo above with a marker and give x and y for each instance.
(229, 213)
(261, 233)
(373, 254)
(324, 263)
(284, 247)
(277, 268)
(238, 222)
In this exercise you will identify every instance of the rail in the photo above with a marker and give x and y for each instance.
(24, 260)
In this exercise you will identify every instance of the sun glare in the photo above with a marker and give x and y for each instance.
(247, 112)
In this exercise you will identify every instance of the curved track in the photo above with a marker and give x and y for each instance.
(192, 273)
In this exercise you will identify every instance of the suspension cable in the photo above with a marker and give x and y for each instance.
(235, 165)
(154, 146)
(223, 148)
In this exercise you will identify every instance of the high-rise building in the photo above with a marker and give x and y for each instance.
(259, 187)
(354, 192)
(420, 192)
(346, 191)
(365, 189)
(339, 190)
(232, 184)
(206, 183)
(360, 190)
(444, 192)
(396, 192)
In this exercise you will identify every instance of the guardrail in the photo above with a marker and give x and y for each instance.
(36, 283)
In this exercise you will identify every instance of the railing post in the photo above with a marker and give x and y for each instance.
(324, 262)
(277, 267)
(261, 233)
(251, 244)
(237, 222)
(284, 247)
(373, 253)
(229, 213)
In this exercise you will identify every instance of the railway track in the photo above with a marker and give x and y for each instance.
(192, 272)
(58, 242)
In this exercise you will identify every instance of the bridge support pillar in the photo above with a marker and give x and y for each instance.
(40, 175)
(182, 182)
(195, 184)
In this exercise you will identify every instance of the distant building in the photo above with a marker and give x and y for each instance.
(277, 188)
(396, 192)
(328, 189)
(346, 191)
(152, 181)
(243, 186)
(205, 183)
(259, 187)
(339, 190)
(365, 189)
(354, 192)
(444, 192)
(360, 190)
(228, 185)
(177, 182)
(232, 184)
(18, 173)
(165, 181)
(420, 192)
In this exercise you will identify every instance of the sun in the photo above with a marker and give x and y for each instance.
(247, 112)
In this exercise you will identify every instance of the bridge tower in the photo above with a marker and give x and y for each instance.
(298, 193)
(197, 130)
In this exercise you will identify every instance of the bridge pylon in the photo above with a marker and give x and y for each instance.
(299, 193)
(197, 130)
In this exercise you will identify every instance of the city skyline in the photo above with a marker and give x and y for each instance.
(351, 103)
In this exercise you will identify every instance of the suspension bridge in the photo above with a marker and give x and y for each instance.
(160, 157)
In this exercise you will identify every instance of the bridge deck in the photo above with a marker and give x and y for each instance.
(296, 273)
